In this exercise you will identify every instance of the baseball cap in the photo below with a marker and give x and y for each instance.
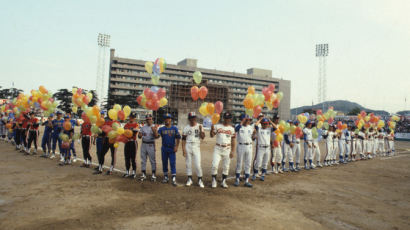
(289, 121)
(227, 115)
(261, 115)
(51, 115)
(59, 113)
(276, 116)
(308, 122)
(265, 120)
(244, 116)
(168, 116)
(66, 117)
(296, 122)
(102, 112)
(191, 115)
(148, 116)
(133, 115)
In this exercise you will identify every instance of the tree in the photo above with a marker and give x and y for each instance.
(130, 100)
(63, 96)
(10, 93)
(354, 111)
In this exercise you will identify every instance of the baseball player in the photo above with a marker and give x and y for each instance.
(224, 148)
(65, 150)
(106, 145)
(341, 145)
(192, 135)
(360, 144)
(33, 133)
(308, 145)
(287, 150)
(148, 133)
(74, 123)
(131, 147)
(170, 142)
(46, 140)
(24, 130)
(390, 138)
(57, 127)
(348, 144)
(296, 148)
(263, 133)
(99, 144)
(244, 132)
(335, 146)
(316, 151)
(3, 122)
(328, 136)
(354, 143)
(86, 140)
(381, 147)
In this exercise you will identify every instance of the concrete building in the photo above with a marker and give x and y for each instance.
(128, 77)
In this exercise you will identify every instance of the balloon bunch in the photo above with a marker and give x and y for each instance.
(198, 92)
(116, 113)
(213, 110)
(254, 102)
(392, 123)
(93, 115)
(42, 99)
(155, 69)
(368, 120)
(80, 99)
(153, 98)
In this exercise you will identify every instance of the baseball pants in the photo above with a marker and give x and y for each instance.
(46, 142)
(262, 158)
(335, 150)
(148, 150)
(296, 152)
(354, 143)
(276, 155)
(316, 151)
(329, 149)
(23, 136)
(55, 139)
(130, 153)
(341, 146)
(391, 146)
(287, 154)
(85, 144)
(347, 149)
(193, 154)
(32, 137)
(221, 154)
(107, 146)
(381, 146)
(168, 154)
(308, 154)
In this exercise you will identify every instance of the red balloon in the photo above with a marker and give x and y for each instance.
(276, 143)
(219, 107)
(122, 138)
(139, 99)
(161, 93)
(79, 90)
(330, 120)
(194, 92)
(106, 129)
(155, 105)
(256, 111)
(121, 115)
(154, 97)
(148, 104)
(86, 100)
(150, 95)
(363, 113)
(203, 91)
(276, 103)
(65, 145)
(271, 87)
(319, 112)
(147, 92)
(339, 125)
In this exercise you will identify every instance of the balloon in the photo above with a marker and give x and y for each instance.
(259, 99)
(116, 145)
(117, 107)
(326, 125)
(112, 113)
(64, 137)
(147, 91)
(315, 134)
(248, 103)
(93, 119)
(251, 90)
(197, 77)
(279, 95)
(112, 134)
(276, 143)
(65, 145)
(219, 107)
(120, 130)
(256, 111)
(279, 137)
(395, 118)
(276, 103)
(210, 107)
(249, 112)
(194, 92)
(363, 113)
(128, 133)
(155, 105)
(203, 91)
(319, 112)
(115, 126)
(161, 93)
(319, 124)
(155, 79)
(330, 120)
(339, 125)
(127, 110)
(139, 99)
(203, 109)
(272, 87)
(121, 115)
(344, 126)
(163, 102)
(74, 90)
(215, 118)
(75, 109)
(67, 125)
(148, 67)
(43, 89)
(106, 129)
(89, 95)
(154, 89)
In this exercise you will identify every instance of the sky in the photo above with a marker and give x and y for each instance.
(54, 43)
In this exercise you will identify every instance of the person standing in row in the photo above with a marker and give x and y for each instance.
(263, 134)
(74, 123)
(33, 133)
(244, 132)
(131, 147)
(328, 136)
(86, 140)
(308, 145)
(224, 148)
(170, 142)
(24, 131)
(192, 135)
(148, 133)
(65, 146)
(46, 140)
(57, 127)
(99, 143)
(296, 148)
(109, 146)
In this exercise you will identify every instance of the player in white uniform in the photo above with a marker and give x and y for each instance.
(148, 133)
(348, 145)
(287, 150)
(224, 148)
(380, 146)
(316, 150)
(263, 150)
(308, 145)
(328, 136)
(390, 138)
(341, 145)
(361, 143)
(244, 132)
(296, 148)
(354, 143)
(191, 140)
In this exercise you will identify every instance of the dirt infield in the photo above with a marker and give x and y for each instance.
(35, 193)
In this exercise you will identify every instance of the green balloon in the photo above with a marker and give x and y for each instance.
(197, 77)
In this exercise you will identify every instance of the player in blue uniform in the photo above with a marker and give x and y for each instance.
(170, 142)
(57, 127)
(74, 123)
(46, 141)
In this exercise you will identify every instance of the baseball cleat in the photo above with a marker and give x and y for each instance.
(75, 159)
(143, 177)
(223, 184)
(280, 170)
(153, 178)
(253, 177)
(165, 180)
(262, 178)
(213, 183)
(201, 184)
(236, 184)
(174, 181)
(52, 156)
(109, 172)
(247, 184)
(319, 165)
(126, 175)
(189, 182)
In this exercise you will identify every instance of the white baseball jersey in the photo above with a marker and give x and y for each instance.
(192, 133)
(224, 134)
(244, 134)
(264, 135)
(308, 134)
(147, 134)
(329, 138)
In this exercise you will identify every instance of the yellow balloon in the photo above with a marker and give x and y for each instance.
(120, 130)
(116, 145)
(163, 102)
(75, 109)
(117, 107)
(127, 110)
(148, 66)
(74, 91)
(113, 114)
(215, 118)
(90, 95)
(155, 79)
(203, 110)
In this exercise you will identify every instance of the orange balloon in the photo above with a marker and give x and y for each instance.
(100, 122)
(251, 90)
(210, 107)
(128, 133)
(248, 103)
(96, 110)
(203, 91)
(43, 89)
(194, 93)
(67, 125)
(215, 118)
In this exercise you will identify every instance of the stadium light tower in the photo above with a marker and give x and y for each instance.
(103, 43)
(322, 51)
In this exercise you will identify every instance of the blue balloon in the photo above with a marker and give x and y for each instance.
(154, 89)
(37, 104)
(307, 114)
(207, 122)
(156, 69)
